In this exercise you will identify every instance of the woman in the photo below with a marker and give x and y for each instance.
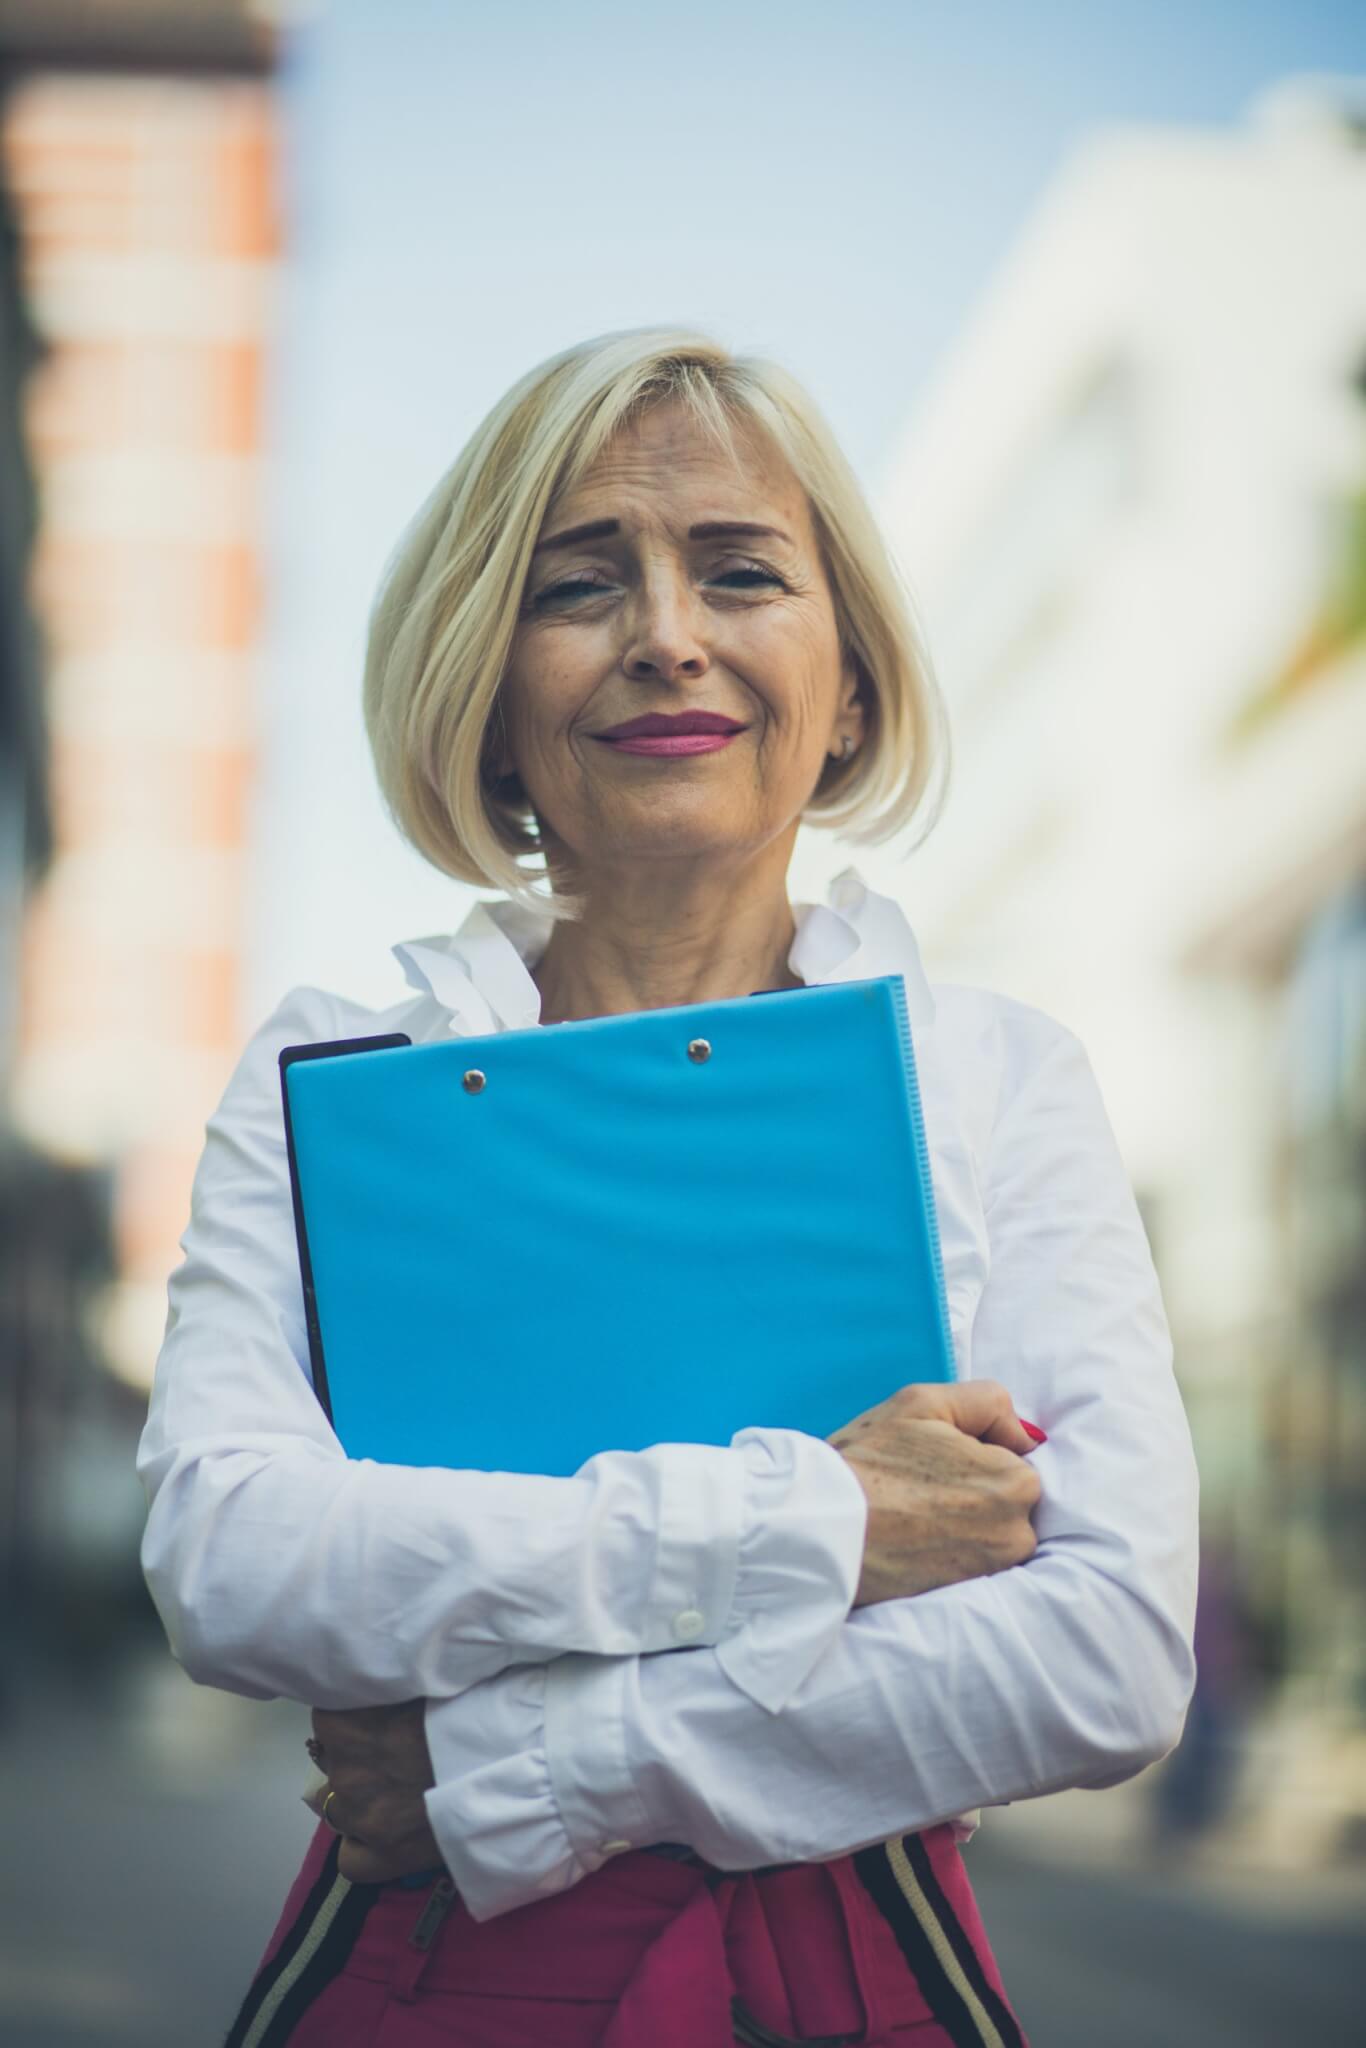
(679, 1750)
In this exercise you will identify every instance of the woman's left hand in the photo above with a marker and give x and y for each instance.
(377, 1767)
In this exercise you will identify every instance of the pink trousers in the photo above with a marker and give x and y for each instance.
(884, 1946)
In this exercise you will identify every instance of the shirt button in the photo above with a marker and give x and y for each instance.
(614, 1848)
(689, 1624)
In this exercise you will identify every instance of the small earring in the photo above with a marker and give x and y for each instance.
(846, 746)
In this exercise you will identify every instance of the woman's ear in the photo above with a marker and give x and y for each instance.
(850, 718)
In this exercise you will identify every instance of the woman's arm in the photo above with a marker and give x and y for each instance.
(1072, 1669)
(280, 1566)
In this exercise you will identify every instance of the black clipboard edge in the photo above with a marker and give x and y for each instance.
(324, 1049)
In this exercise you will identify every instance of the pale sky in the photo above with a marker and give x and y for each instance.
(471, 189)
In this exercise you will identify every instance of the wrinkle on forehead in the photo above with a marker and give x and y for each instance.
(641, 446)
(676, 418)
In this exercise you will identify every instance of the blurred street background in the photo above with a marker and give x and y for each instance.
(1083, 295)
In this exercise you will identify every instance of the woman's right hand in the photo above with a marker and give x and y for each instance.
(949, 1493)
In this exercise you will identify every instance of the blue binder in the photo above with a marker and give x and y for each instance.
(524, 1248)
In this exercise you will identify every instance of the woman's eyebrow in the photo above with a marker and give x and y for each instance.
(709, 529)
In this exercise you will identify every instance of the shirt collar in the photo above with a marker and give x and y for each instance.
(481, 974)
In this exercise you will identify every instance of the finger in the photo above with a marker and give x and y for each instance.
(327, 1726)
(983, 1408)
(336, 1724)
(364, 1863)
(328, 1810)
(360, 1864)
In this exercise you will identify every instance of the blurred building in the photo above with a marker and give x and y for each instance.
(137, 164)
(1134, 507)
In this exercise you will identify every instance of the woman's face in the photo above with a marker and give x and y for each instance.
(658, 610)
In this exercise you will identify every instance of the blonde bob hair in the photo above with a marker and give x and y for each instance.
(443, 620)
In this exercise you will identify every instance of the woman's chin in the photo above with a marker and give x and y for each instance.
(666, 827)
(685, 840)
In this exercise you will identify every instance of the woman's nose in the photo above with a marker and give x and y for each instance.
(663, 632)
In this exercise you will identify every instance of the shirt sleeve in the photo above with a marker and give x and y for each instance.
(280, 1566)
(1074, 1669)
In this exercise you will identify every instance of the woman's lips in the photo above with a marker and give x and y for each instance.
(673, 743)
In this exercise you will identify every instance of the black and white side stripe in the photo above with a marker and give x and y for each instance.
(899, 1878)
(312, 1953)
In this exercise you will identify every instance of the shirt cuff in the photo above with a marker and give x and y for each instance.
(588, 1701)
(511, 1830)
(690, 1557)
(492, 1809)
(799, 1562)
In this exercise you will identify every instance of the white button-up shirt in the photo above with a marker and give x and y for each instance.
(661, 1648)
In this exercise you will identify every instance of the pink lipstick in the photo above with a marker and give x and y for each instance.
(672, 732)
(670, 743)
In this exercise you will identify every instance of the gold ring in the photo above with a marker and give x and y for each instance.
(326, 1803)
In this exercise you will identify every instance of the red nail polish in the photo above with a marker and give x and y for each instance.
(1032, 1429)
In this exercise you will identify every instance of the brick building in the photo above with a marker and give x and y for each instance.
(138, 153)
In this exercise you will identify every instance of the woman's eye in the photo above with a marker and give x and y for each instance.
(566, 589)
(573, 585)
(765, 575)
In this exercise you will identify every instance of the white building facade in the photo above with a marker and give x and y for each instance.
(1133, 508)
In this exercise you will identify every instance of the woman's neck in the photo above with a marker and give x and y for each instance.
(646, 945)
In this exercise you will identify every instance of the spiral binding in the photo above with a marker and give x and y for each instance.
(922, 1153)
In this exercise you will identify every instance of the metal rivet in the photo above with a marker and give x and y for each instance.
(474, 1081)
(699, 1050)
